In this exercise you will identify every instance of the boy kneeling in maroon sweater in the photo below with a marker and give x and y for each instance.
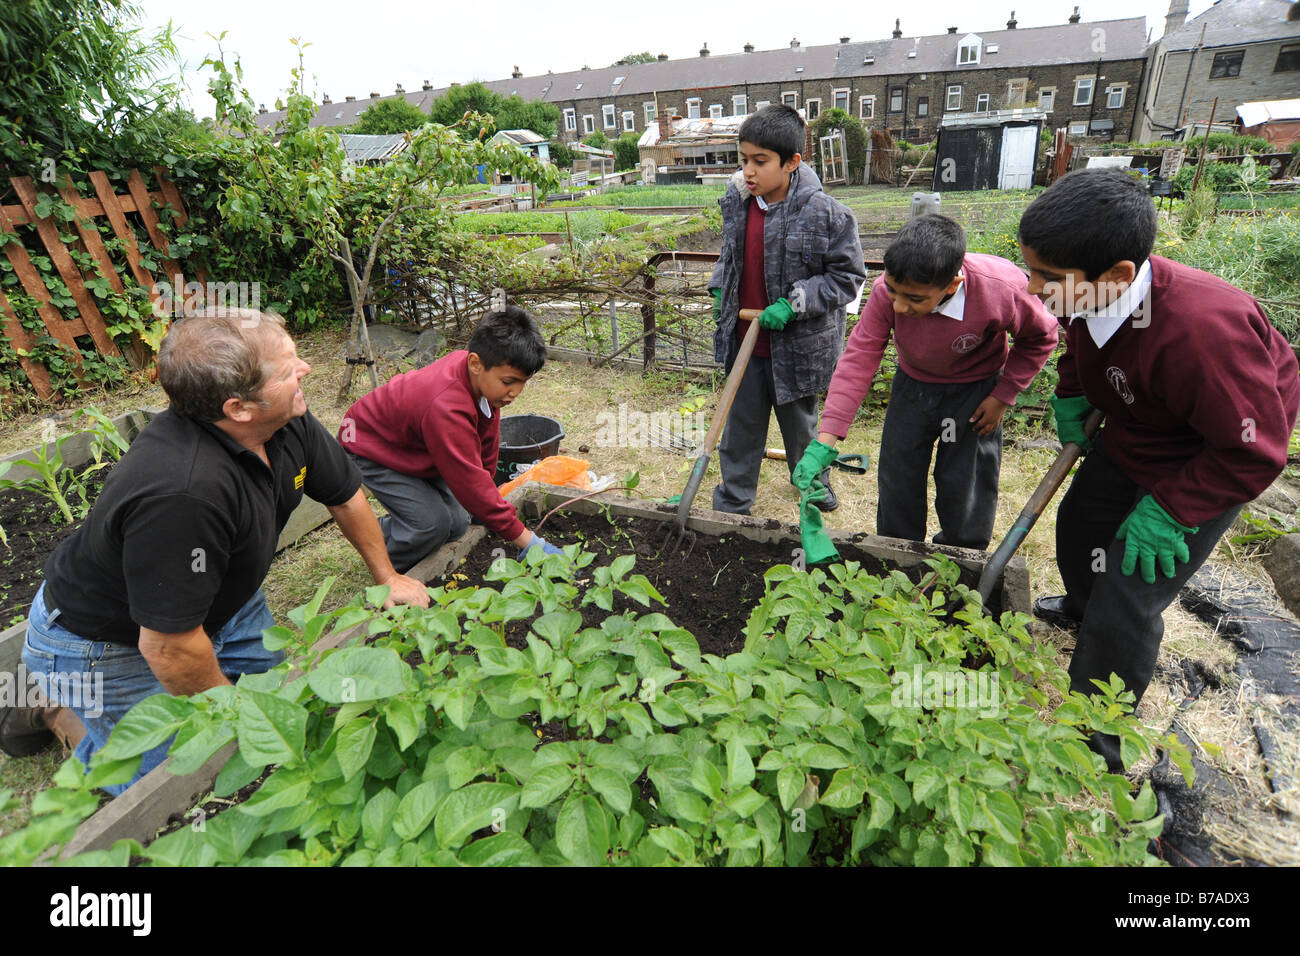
(949, 313)
(427, 441)
(1200, 394)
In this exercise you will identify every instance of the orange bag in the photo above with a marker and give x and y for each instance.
(556, 470)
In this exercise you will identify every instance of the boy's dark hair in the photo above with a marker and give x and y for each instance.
(776, 127)
(509, 338)
(928, 251)
(1091, 219)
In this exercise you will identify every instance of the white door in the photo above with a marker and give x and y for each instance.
(1017, 170)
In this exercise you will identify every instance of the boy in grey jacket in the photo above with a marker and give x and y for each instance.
(793, 252)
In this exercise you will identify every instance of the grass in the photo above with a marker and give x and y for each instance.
(586, 225)
(629, 196)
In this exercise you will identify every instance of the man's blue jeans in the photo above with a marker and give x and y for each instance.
(100, 682)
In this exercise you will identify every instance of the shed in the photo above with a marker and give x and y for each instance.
(369, 150)
(993, 150)
(1277, 121)
(524, 139)
(702, 144)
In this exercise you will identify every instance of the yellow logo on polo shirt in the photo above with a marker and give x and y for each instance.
(299, 478)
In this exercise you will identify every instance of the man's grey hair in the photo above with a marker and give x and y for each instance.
(215, 355)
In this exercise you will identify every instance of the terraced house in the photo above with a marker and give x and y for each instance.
(1088, 76)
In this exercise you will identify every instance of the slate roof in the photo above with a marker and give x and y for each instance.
(1236, 22)
(1124, 39)
(363, 148)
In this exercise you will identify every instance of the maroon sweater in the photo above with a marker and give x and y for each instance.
(427, 424)
(1200, 394)
(936, 348)
(753, 278)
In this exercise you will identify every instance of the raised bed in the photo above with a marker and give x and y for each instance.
(146, 807)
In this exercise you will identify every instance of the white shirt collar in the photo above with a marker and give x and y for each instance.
(955, 307)
(1104, 322)
(484, 407)
(762, 203)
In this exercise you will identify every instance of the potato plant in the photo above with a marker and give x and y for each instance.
(435, 742)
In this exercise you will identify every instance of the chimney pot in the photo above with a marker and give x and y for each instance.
(794, 43)
(704, 50)
(325, 100)
(1074, 17)
(426, 85)
(952, 30)
(399, 90)
(1011, 24)
(898, 30)
(662, 57)
(749, 48)
(844, 39)
(349, 99)
(516, 73)
(261, 107)
(374, 95)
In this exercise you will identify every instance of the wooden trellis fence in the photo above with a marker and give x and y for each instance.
(138, 200)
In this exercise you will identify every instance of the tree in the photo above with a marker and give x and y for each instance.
(389, 116)
(503, 112)
(516, 113)
(459, 100)
(596, 140)
(631, 58)
(561, 154)
(626, 153)
(78, 73)
(855, 141)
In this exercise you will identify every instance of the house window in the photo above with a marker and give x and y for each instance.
(1115, 97)
(650, 113)
(968, 51)
(588, 123)
(1046, 98)
(814, 107)
(1016, 90)
(739, 105)
(608, 111)
(1078, 129)
(1288, 58)
(693, 108)
(953, 100)
(866, 107)
(629, 121)
(761, 104)
(841, 98)
(982, 103)
(715, 111)
(790, 99)
(896, 99)
(922, 106)
(1227, 64)
(1083, 90)
(570, 120)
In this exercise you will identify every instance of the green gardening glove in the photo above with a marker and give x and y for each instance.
(817, 546)
(717, 303)
(776, 315)
(816, 459)
(1151, 534)
(1070, 414)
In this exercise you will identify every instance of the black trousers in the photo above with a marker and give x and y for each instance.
(966, 467)
(1121, 614)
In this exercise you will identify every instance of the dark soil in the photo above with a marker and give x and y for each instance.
(34, 527)
(709, 591)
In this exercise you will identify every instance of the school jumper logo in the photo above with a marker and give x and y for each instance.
(1119, 381)
(965, 343)
(300, 479)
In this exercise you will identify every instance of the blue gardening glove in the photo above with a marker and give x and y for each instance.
(776, 315)
(1151, 534)
(817, 546)
(539, 542)
(816, 459)
(1070, 414)
(717, 303)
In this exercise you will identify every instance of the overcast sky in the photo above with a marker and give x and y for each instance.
(357, 47)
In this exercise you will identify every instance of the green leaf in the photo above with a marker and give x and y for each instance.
(545, 785)
(740, 768)
(706, 778)
(416, 810)
(465, 764)
(105, 773)
(844, 790)
(825, 757)
(405, 719)
(473, 808)
(146, 725)
(789, 784)
(198, 750)
(611, 785)
(235, 775)
(501, 849)
(961, 804)
(354, 742)
(271, 730)
(281, 789)
(746, 802)
(582, 831)
(377, 818)
(675, 842)
(1003, 813)
(359, 673)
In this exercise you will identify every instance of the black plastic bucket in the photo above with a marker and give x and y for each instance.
(525, 439)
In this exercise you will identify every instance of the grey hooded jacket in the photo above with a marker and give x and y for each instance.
(812, 258)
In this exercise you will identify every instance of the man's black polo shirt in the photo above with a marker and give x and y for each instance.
(185, 527)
